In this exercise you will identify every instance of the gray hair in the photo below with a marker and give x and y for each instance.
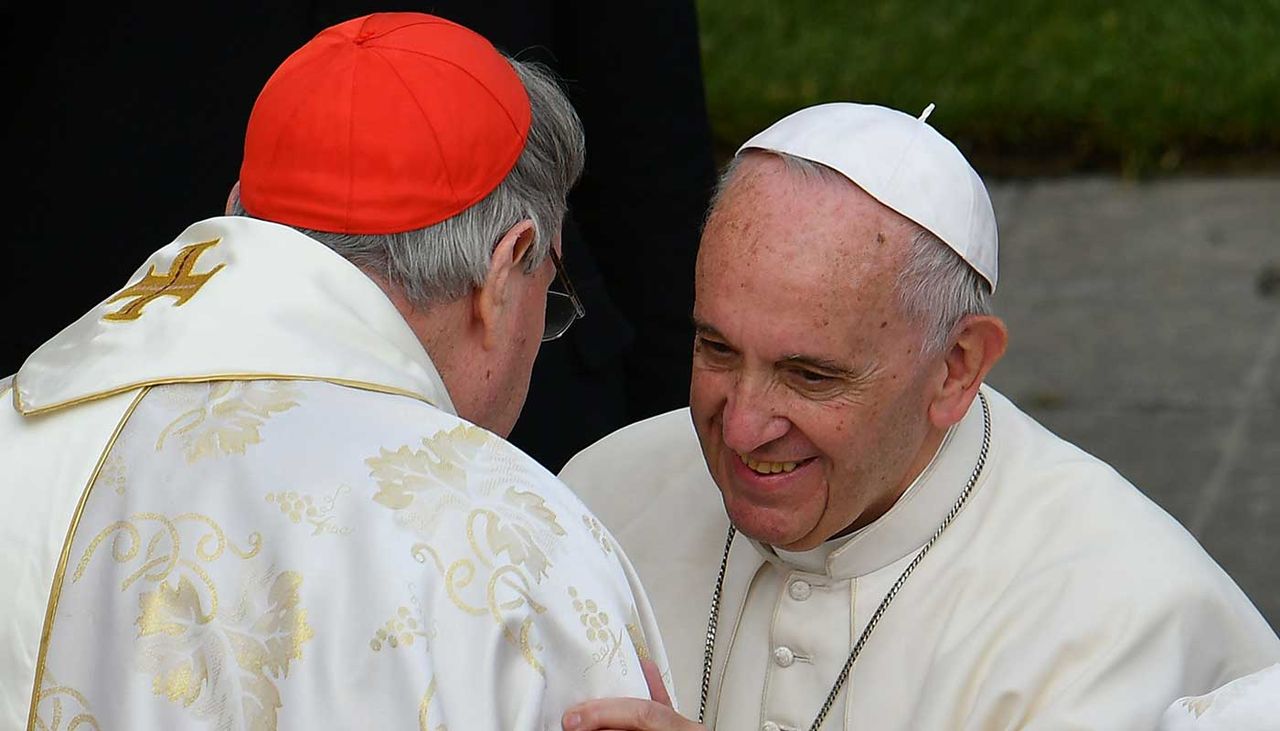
(936, 287)
(446, 260)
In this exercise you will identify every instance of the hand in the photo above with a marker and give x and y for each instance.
(630, 714)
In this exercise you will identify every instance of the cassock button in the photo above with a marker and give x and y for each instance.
(770, 726)
(800, 590)
(784, 657)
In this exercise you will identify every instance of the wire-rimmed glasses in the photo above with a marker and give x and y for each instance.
(562, 307)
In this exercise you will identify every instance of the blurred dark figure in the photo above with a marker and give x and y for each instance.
(123, 122)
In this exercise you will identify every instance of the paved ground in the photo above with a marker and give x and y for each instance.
(1145, 321)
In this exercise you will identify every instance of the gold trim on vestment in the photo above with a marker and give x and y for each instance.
(55, 590)
(362, 385)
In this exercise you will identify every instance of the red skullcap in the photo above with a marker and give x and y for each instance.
(385, 123)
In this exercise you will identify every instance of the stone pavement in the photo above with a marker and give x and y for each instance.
(1145, 327)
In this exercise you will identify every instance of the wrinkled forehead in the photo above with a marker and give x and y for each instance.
(801, 216)
(753, 162)
(798, 262)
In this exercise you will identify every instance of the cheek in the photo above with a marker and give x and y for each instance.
(530, 349)
(829, 431)
(537, 314)
(846, 435)
(707, 392)
(865, 443)
(529, 339)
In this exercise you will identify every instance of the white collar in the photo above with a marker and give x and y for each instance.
(280, 305)
(814, 560)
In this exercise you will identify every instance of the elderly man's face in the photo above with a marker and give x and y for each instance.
(809, 392)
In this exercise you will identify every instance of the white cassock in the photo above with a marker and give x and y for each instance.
(246, 503)
(1059, 598)
(1251, 703)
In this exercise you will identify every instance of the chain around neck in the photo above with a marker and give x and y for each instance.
(713, 617)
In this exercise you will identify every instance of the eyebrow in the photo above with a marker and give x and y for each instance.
(703, 328)
(797, 359)
(820, 364)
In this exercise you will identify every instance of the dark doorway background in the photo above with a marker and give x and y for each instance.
(126, 125)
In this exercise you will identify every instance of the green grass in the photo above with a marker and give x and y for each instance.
(1022, 86)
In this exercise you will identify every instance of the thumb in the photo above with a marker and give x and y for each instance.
(657, 689)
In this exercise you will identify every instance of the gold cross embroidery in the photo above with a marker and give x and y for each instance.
(179, 282)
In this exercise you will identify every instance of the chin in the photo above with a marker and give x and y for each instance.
(773, 526)
(779, 510)
(504, 425)
(505, 414)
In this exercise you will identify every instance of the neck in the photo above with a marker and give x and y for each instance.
(440, 328)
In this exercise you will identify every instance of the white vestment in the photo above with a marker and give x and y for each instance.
(1059, 598)
(236, 496)
(1251, 703)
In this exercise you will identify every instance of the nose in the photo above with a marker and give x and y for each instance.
(751, 417)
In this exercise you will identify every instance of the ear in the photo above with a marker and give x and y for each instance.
(979, 343)
(492, 299)
(233, 195)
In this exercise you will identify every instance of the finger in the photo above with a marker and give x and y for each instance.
(623, 714)
(657, 688)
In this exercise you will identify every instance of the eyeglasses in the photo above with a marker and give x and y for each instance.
(562, 307)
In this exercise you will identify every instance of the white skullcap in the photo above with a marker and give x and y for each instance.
(900, 161)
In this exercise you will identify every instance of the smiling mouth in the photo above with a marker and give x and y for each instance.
(762, 467)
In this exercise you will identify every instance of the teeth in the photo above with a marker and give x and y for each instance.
(768, 468)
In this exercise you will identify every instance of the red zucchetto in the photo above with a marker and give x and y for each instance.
(385, 123)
